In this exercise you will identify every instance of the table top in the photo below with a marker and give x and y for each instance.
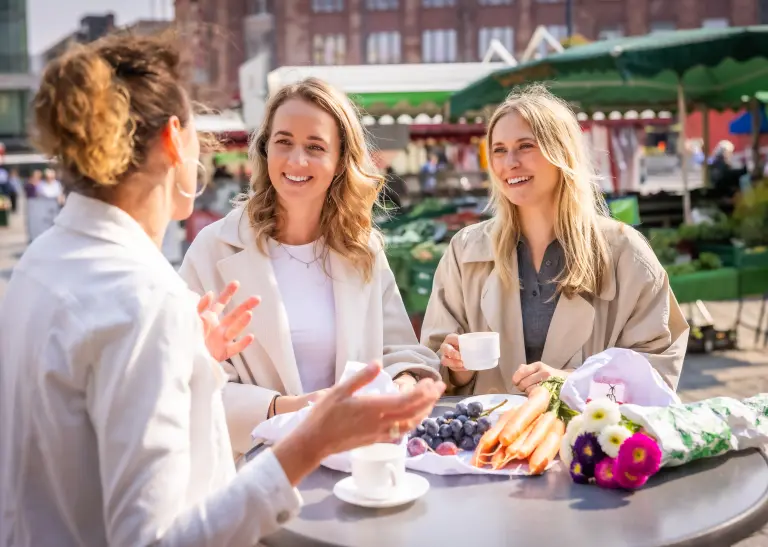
(717, 501)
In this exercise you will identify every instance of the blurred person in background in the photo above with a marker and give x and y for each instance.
(112, 426)
(30, 187)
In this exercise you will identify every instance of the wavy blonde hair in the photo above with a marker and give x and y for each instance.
(580, 202)
(346, 221)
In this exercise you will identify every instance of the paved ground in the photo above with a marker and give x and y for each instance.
(738, 373)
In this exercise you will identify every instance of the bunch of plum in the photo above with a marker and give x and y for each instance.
(458, 429)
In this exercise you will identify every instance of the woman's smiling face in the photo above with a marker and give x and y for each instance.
(524, 175)
(303, 152)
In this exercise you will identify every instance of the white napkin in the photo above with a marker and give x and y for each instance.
(643, 384)
(274, 429)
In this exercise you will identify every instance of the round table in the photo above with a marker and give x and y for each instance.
(713, 502)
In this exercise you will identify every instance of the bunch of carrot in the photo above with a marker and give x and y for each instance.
(527, 432)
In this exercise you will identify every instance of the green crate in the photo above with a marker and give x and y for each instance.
(4, 217)
(422, 275)
(729, 254)
(709, 286)
(753, 281)
(416, 300)
(756, 257)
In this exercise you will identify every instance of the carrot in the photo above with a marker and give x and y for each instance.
(546, 452)
(535, 406)
(514, 448)
(499, 459)
(490, 438)
(540, 431)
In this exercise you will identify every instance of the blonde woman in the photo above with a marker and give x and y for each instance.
(557, 278)
(304, 242)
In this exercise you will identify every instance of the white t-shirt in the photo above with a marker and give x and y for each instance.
(50, 189)
(307, 294)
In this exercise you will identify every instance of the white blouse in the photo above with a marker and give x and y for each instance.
(112, 427)
(307, 295)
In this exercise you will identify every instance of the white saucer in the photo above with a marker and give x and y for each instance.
(413, 487)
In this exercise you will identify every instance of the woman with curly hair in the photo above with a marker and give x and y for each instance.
(304, 241)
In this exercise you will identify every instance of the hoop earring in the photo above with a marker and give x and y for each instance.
(199, 192)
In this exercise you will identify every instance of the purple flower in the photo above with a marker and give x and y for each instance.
(579, 473)
(639, 455)
(604, 473)
(587, 450)
(627, 480)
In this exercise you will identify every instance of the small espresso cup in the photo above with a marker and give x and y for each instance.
(378, 469)
(480, 350)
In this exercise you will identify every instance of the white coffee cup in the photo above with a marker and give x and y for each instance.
(378, 469)
(480, 350)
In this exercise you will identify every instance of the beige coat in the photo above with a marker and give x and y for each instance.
(371, 322)
(635, 309)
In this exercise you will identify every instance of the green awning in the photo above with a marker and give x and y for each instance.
(405, 102)
(717, 67)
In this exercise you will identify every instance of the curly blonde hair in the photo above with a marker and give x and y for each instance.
(100, 107)
(580, 202)
(346, 221)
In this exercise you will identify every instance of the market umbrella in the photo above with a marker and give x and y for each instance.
(742, 125)
(713, 67)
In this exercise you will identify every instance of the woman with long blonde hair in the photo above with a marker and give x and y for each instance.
(304, 241)
(551, 272)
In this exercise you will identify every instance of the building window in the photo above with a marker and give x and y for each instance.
(548, 1)
(437, 3)
(327, 6)
(505, 35)
(438, 46)
(558, 32)
(381, 5)
(763, 8)
(330, 49)
(495, 2)
(662, 26)
(610, 33)
(715, 23)
(383, 48)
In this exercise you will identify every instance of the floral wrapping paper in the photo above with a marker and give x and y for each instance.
(688, 432)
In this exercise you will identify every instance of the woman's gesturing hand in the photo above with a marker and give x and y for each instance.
(341, 421)
(221, 332)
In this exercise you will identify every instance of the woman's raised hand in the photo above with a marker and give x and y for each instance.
(221, 332)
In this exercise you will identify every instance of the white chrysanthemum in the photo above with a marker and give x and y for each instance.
(600, 413)
(611, 437)
(574, 429)
(566, 452)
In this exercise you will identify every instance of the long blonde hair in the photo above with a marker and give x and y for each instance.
(580, 203)
(346, 221)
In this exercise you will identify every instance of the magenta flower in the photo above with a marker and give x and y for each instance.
(587, 450)
(627, 480)
(579, 473)
(604, 476)
(639, 455)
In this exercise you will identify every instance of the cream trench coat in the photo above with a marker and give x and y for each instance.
(635, 309)
(371, 322)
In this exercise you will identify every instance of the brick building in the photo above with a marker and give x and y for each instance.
(304, 32)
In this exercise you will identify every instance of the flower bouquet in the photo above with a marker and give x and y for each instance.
(622, 446)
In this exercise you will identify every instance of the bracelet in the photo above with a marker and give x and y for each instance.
(273, 406)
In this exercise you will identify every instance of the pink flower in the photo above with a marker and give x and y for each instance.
(629, 481)
(604, 476)
(639, 455)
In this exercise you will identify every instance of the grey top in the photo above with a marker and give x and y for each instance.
(538, 295)
(707, 503)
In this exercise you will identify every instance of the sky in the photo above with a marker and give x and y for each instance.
(50, 20)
